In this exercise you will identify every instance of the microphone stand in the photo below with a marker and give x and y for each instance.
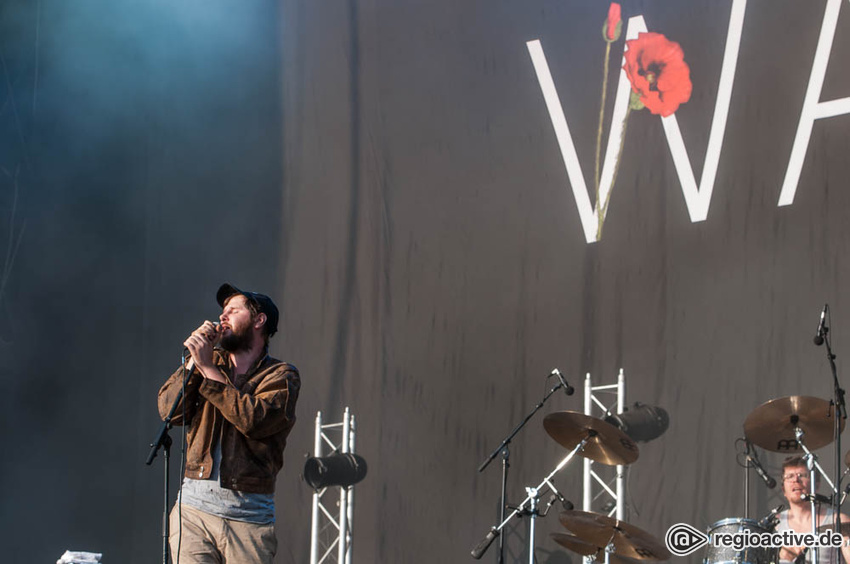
(747, 479)
(503, 448)
(163, 440)
(840, 414)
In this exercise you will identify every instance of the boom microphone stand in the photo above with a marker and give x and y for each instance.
(840, 411)
(532, 500)
(503, 448)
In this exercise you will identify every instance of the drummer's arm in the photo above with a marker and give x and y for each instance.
(789, 553)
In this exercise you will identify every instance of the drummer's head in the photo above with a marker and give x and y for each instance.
(795, 478)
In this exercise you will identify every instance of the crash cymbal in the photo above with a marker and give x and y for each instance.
(847, 459)
(599, 530)
(606, 444)
(771, 425)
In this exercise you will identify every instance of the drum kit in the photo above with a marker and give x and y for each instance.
(796, 424)
(604, 538)
(789, 425)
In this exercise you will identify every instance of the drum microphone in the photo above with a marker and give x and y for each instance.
(819, 334)
(771, 520)
(564, 384)
(768, 481)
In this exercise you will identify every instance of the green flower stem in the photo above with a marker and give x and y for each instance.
(603, 209)
(601, 116)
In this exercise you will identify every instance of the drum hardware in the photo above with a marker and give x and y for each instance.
(531, 501)
(588, 436)
(751, 461)
(506, 453)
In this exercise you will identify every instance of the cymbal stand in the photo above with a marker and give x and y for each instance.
(531, 501)
(747, 479)
(814, 467)
(609, 550)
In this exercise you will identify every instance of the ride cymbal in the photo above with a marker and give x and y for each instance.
(606, 444)
(771, 425)
(600, 530)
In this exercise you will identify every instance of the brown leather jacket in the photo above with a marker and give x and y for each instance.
(254, 414)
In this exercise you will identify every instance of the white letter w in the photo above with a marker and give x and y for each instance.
(696, 198)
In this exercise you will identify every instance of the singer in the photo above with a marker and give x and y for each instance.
(239, 407)
(798, 516)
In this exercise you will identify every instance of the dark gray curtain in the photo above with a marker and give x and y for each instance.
(389, 173)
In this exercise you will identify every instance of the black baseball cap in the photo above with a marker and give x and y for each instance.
(262, 301)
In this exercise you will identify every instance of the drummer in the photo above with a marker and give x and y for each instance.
(798, 517)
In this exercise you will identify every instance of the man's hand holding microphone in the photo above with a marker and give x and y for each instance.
(200, 345)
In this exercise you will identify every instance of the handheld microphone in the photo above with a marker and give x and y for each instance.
(191, 363)
(821, 331)
(564, 384)
(216, 324)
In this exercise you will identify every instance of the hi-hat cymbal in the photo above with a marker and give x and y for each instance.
(575, 544)
(771, 425)
(606, 444)
(572, 542)
(600, 530)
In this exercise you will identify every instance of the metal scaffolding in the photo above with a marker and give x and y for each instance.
(329, 531)
(591, 476)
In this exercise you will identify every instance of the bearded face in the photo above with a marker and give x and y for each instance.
(236, 325)
(237, 339)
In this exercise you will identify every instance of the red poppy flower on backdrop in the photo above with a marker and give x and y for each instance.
(658, 72)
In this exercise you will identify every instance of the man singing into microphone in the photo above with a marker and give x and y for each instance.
(240, 408)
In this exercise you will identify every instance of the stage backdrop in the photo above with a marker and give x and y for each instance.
(431, 194)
